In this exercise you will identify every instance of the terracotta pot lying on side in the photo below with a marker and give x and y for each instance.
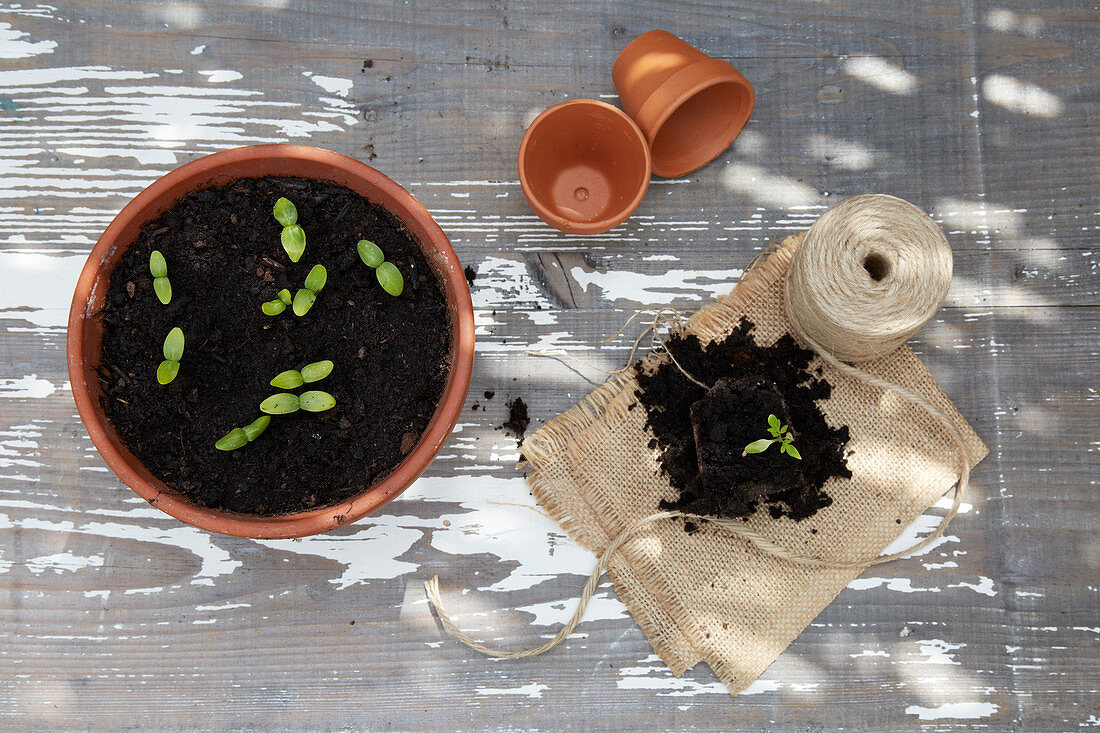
(85, 332)
(690, 106)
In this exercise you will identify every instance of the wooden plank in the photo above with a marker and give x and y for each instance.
(113, 615)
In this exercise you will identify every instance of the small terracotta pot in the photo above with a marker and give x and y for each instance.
(584, 166)
(690, 106)
(85, 333)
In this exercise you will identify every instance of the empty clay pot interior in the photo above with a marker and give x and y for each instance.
(585, 162)
(700, 128)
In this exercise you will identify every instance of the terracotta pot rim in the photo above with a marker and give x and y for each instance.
(681, 86)
(572, 226)
(204, 170)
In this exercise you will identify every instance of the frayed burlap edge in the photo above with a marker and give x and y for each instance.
(657, 610)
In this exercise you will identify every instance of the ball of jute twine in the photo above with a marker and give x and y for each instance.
(867, 275)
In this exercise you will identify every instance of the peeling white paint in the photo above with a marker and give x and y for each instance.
(63, 562)
(916, 531)
(366, 553)
(603, 606)
(219, 76)
(332, 84)
(936, 651)
(900, 585)
(499, 517)
(658, 289)
(870, 653)
(506, 283)
(14, 44)
(985, 586)
(214, 561)
(222, 606)
(759, 687)
(30, 386)
(22, 296)
(954, 710)
(532, 691)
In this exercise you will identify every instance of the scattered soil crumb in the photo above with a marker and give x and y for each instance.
(489, 394)
(517, 421)
(471, 275)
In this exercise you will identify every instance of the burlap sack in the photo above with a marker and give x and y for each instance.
(710, 596)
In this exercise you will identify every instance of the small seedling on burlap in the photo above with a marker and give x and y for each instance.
(779, 435)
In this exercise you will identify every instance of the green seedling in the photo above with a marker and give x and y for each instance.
(779, 435)
(256, 427)
(316, 278)
(278, 305)
(238, 437)
(157, 265)
(292, 378)
(305, 297)
(303, 301)
(316, 401)
(293, 239)
(293, 236)
(370, 253)
(389, 277)
(282, 403)
(316, 371)
(173, 352)
(286, 213)
(158, 268)
(233, 440)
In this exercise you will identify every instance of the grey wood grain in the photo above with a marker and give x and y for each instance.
(113, 615)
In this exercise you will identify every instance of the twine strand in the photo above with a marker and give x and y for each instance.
(660, 319)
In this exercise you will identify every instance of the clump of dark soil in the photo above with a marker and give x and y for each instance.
(517, 421)
(701, 434)
(222, 246)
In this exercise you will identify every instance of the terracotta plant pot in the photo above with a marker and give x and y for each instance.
(86, 332)
(690, 106)
(584, 166)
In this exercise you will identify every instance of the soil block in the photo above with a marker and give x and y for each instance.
(224, 257)
(700, 434)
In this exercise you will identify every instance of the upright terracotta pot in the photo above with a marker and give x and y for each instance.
(689, 105)
(583, 166)
(85, 332)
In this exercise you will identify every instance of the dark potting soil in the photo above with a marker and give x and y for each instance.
(701, 434)
(517, 421)
(391, 355)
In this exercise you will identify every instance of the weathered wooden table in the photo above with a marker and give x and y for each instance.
(113, 615)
